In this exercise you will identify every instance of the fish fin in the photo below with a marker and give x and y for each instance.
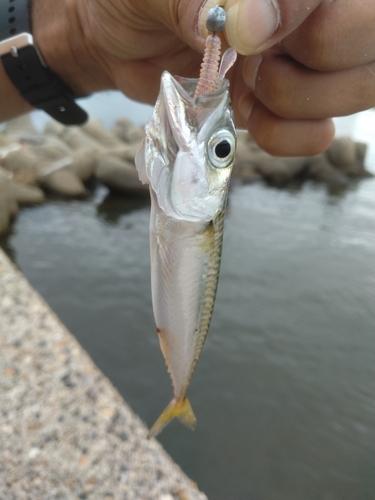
(181, 409)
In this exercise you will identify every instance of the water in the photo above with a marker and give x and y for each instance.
(284, 390)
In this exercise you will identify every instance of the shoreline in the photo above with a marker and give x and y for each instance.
(63, 161)
(65, 432)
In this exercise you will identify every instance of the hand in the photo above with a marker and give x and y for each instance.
(321, 65)
(315, 58)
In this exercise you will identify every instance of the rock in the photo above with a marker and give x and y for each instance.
(136, 134)
(84, 163)
(119, 175)
(355, 169)
(126, 131)
(252, 163)
(74, 137)
(96, 130)
(348, 156)
(54, 128)
(360, 151)
(27, 195)
(320, 169)
(278, 170)
(21, 124)
(64, 182)
(54, 166)
(7, 139)
(50, 148)
(24, 165)
(8, 204)
(121, 129)
(126, 152)
(5, 175)
(342, 151)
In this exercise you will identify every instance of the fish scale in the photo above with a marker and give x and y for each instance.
(211, 284)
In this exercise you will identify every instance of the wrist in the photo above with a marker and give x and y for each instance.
(60, 34)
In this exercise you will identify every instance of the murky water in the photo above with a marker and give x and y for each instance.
(284, 389)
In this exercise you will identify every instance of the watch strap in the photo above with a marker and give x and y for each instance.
(14, 18)
(24, 66)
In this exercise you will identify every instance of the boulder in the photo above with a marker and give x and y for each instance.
(8, 203)
(252, 163)
(54, 128)
(21, 125)
(342, 151)
(360, 151)
(126, 152)
(278, 170)
(319, 168)
(7, 139)
(120, 175)
(348, 156)
(27, 195)
(63, 182)
(96, 130)
(126, 131)
(48, 148)
(74, 137)
(24, 165)
(136, 134)
(121, 128)
(84, 163)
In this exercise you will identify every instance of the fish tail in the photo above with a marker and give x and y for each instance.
(181, 409)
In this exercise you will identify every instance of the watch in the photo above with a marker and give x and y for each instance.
(24, 65)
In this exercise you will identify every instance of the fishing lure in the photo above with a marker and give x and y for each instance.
(187, 158)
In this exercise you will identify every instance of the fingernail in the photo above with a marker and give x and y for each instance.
(250, 23)
(250, 70)
(245, 106)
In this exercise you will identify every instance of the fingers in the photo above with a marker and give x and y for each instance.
(281, 137)
(336, 36)
(254, 25)
(292, 91)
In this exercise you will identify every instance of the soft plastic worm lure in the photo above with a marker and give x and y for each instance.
(210, 75)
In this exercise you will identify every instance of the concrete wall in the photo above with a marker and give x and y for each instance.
(65, 432)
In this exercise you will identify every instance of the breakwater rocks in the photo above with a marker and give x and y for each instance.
(61, 160)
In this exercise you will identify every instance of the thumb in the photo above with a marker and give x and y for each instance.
(255, 25)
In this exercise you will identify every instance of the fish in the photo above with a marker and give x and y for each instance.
(186, 158)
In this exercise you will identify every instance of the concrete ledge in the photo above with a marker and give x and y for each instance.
(65, 432)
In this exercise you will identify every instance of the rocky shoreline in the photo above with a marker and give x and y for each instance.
(62, 160)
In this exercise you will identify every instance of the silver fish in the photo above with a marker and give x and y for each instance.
(186, 158)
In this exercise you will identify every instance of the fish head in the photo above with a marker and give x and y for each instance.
(188, 151)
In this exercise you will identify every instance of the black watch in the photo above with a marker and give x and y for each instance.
(28, 72)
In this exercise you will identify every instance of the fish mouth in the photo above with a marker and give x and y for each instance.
(186, 88)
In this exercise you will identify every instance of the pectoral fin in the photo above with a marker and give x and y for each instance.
(181, 409)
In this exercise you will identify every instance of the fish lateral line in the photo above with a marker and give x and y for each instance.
(177, 408)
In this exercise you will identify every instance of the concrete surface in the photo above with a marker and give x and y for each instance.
(65, 432)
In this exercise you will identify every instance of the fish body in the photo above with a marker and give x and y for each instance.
(186, 158)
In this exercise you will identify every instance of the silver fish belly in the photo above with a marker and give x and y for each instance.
(186, 158)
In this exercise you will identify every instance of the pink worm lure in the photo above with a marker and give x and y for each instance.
(211, 75)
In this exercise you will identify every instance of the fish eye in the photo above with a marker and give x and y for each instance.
(221, 148)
